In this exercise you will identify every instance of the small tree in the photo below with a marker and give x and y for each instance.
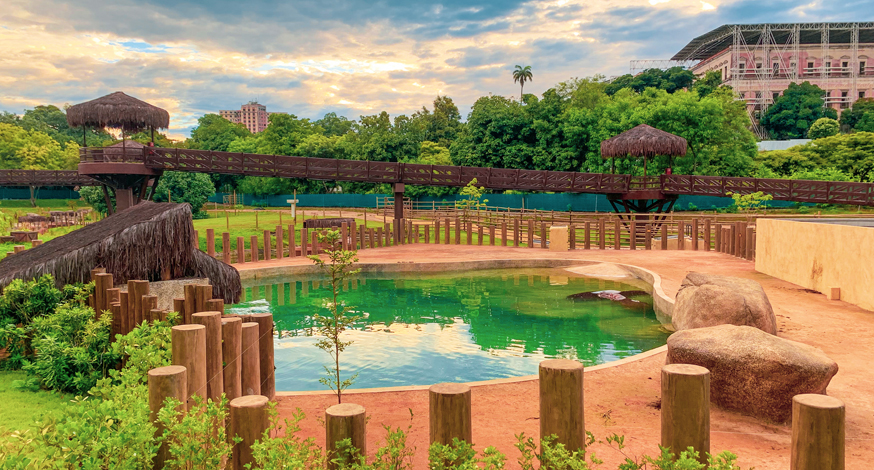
(823, 127)
(338, 268)
(753, 201)
(474, 198)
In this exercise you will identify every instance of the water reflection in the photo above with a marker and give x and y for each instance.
(418, 329)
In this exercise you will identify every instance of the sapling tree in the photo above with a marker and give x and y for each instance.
(752, 201)
(474, 198)
(339, 268)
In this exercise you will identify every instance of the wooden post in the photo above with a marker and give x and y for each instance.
(517, 233)
(126, 322)
(116, 328)
(345, 421)
(265, 353)
(226, 247)
(188, 345)
(450, 413)
(446, 229)
(362, 234)
(504, 233)
(491, 235)
(304, 240)
(292, 243)
(647, 240)
(190, 291)
(530, 233)
(232, 336)
(561, 402)
(681, 235)
(544, 236)
(210, 242)
(379, 237)
(215, 305)
(314, 241)
(267, 245)
(214, 379)
(427, 235)
(695, 234)
(750, 245)
(602, 234)
(686, 409)
(280, 241)
(136, 290)
(479, 234)
(150, 302)
(253, 248)
(664, 235)
(469, 230)
(437, 231)
(102, 283)
(587, 236)
(617, 235)
(707, 235)
(632, 234)
(202, 295)
(372, 234)
(457, 231)
(344, 236)
(165, 382)
(818, 433)
(250, 368)
(249, 419)
(732, 239)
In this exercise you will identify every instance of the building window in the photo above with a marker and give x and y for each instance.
(758, 65)
(775, 96)
(845, 65)
(810, 66)
(844, 100)
(862, 67)
(861, 94)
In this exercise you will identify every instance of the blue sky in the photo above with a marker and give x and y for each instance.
(352, 57)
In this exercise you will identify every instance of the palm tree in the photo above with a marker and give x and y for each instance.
(522, 75)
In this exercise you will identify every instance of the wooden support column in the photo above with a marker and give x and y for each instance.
(602, 234)
(504, 233)
(210, 242)
(214, 378)
(345, 421)
(587, 236)
(457, 231)
(530, 233)
(188, 345)
(469, 230)
(446, 228)
(292, 242)
(399, 201)
(427, 235)
(249, 418)
(664, 236)
(647, 241)
(544, 236)
(491, 235)
(632, 235)
(686, 409)
(165, 382)
(479, 234)
(449, 413)
(232, 337)
(437, 231)
(268, 244)
(250, 368)
(561, 402)
(572, 237)
(750, 245)
(253, 248)
(818, 433)
(226, 247)
(265, 353)
(517, 233)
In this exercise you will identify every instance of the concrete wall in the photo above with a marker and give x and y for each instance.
(819, 256)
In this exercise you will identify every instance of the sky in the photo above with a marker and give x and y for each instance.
(351, 57)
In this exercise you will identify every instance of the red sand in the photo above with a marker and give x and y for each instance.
(621, 399)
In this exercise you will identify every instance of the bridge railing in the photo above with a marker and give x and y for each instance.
(821, 192)
(44, 178)
(112, 154)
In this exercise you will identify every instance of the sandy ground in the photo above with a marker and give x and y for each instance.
(624, 399)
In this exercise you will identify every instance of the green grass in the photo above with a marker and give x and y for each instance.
(20, 408)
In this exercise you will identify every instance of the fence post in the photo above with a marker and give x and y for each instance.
(664, 235)
(632, 234)
(265, 353)
(504, 233)
(732, 239)
(314, 242)
(572, 237)
(373, 237)
(427, 228)
(617, 235)
(280, 242)
(561, 402)
(446, 232)
(226, 247)
(248, 421)
(165, 382)
(232, 332)
(437, 232)
(345, 421)
(457, 231)
(449, 413)
(707, 235)
(695, 234)
(686, 409)
(210, 242)
(681, 235)
(304, 241)
(530, 233)
(749, 243)
(479, 234)
(250, 367)
(544, 241)
(344, 234)
(587, 236)
(469, 231)
(253, 248)
(188, 349)
(214, 378)
(818, 433)
(517, 233)
(602, 234)
(268, 245)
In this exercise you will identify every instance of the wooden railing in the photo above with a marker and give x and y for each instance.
(44, 178)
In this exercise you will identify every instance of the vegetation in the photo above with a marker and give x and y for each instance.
(824, 127)
(850, 154)
(339, 269)
(752, 201)
(193, 188)
(520, 76)
(795, 111)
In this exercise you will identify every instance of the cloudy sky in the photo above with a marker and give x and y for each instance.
(352, 57)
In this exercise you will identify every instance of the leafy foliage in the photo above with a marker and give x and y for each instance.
(824, 127)
(196, 438)
(339, 268)
(752, 201)
(795, 111)
(520, 76)
(670, 80)
(193, 188)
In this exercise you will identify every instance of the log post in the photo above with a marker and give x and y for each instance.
(695, 234)
(469, 232)
(214, 378)
(686, 409)
(345, 421)
(718, 241)
(707, 235)
(102, 283)
(632, 234)
(190, 291)
(250, 368)
(232, 336)
(248, 421)
(241, 250)
(427, 235)
(449, 413)
(544, 236)
(647, 241)
(446, 229)
(602, 234)
(304, 241)
(437, 231)
(280, 242)
(344, 236)
(95, 272)
(517, 233)
(268, 245)
(479, 234)
(587, 236)
(126, 322)
(681, 235)
(165, 382)
(617, 235)
(226, 247)
(253, 248)
(530, 233)
(664, 235)
(265, 353)
(457, 231)
(749, 243)
(314, 242)
(116, 328)
(818, 433)
(561, 402)
(136, 290)
(150, 302)
(292, 242)
(210, 242)
(491, 235)
(504, 233)
(188, 349)
(203, 294)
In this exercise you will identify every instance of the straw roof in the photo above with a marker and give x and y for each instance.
(136, 243)
(118, 110)
(644, 141)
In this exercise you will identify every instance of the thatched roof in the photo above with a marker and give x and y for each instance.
(136, 243)
(118, 110)
(644, 141)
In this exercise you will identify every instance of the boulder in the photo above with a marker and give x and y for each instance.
(709, 300)
(751, 371)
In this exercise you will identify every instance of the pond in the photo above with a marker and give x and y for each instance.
(461, 326)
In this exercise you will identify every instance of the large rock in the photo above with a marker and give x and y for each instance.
(709, 300)
(751, 371)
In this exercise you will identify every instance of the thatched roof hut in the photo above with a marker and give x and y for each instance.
(119, 111)
(137, 243)
(644, 141)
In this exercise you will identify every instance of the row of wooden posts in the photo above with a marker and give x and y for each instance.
(20, 248)
(818, 421)
(737, 239)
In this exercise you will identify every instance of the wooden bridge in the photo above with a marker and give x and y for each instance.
(129, 170)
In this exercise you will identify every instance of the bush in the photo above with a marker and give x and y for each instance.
(823, 127)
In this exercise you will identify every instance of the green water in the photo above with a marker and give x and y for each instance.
(421, 329)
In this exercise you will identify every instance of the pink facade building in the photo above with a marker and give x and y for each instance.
(759, 61)
(252, 115)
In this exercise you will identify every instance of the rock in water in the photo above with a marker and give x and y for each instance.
(751, 371)
(709, 300)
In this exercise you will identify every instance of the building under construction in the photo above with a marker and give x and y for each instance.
(759, 61)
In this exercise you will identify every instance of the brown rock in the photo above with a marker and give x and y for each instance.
(709, 300)
(751, 371)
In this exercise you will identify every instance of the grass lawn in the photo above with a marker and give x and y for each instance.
(19, 408)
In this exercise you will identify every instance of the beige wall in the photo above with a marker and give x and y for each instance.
(819, 256)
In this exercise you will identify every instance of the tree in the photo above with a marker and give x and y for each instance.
(285, 133)
(795, 110)
(866, 123)
(823, 127)
(193, 188)
(522, 75)
(670, 80)
(851, 117)
(334, 125)
(35, 150)
(53, 121)
(708, 83)
(94, 197)
(214, 132)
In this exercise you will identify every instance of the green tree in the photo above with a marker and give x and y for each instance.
(520, 76)
(585, 92)
(51, 120)
(851, 117)
(823, 127)
(670, 80)
(285, 133)
(708, 83)
(334, 125)
(795, 110)
(214, 132)
(193, 188)
(35, 150)
(865, 123)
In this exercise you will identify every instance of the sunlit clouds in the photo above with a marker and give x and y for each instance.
(351, 57)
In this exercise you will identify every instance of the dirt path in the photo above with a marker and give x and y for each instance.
(623, 399)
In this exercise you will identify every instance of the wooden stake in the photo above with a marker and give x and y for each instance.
(232, 332)
(249, 419)
(686, 409)
(253, 248)
(241, 250)
(265, 353)
(214, 378)
(190, 291)
(345, 421)
(818, 433)
(450, 413)
(250, 368)
(165, 382)
(561, 402)
(188, 345)
(226, 248)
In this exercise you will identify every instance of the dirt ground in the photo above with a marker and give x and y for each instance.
(624, 399)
